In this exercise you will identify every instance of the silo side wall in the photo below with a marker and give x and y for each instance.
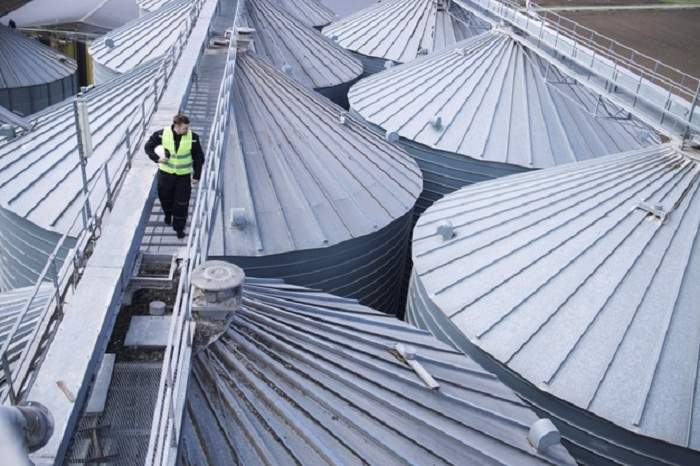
(31, 99)
(369, 268)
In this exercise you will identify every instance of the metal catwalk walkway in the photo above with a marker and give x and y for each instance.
(159, 239)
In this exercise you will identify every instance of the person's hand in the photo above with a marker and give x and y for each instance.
(162, 160)
(194, 183)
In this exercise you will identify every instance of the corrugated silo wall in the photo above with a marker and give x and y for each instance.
(371, 65)
(102, 74)
(369, 268)
(32, 99)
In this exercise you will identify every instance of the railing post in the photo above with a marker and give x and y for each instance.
(8, 378)
(85, 147)
(127, 141)
(108, 186)
(54, 280)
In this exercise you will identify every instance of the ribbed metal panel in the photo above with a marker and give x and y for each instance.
(298, 50)
(32, 75)
(12, 304)
(102, 74)
(152, 5)
(311, 12)
(501, 110)
(40, 176)
(24, 250)
(579, 285)
(304, 181)
(308, 378)
(403, 30)
(84, 15)
(148, 37)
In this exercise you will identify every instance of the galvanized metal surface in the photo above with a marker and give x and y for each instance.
(103, 14)
(311, 12)
(303, 377)
(24, 250)
(27, 62)
(143, 39)
(152, 5)
(403, 30)
(12, 304)
(580, 281)
(40, 175)
(297, 49)
(491, 99)
(32, 75)
(302, 181)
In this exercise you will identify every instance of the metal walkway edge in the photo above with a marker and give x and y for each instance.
(661, 96)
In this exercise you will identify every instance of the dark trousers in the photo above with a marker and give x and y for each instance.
(174, 194)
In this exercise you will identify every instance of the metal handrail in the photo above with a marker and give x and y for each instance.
(671, 91)
(83, 228)
(167, 415)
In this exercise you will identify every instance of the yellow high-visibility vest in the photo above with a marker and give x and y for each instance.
(180, 161)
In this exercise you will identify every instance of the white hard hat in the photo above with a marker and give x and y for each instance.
(160, 151)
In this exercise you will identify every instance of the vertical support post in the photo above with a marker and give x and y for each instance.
(108, 186)
(8, 379)
(85, 147)
(127, 142)
(56, 287)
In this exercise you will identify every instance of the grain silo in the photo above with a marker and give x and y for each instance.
(151, 36)
(12, 307)
(300, 51)
(578, 287)
(310, 12)
(399, 31)
(312, 196)
(490, 107)
(302, 377)
(32, 75)
(40, 171)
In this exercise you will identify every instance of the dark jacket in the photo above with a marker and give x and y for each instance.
(156, 140)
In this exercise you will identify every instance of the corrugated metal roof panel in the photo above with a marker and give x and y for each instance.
(403, 30)
(583, 281)
(40, 177)
(24, 250)
(101, 14)
(12, 303)
(311, 12)
(492, 99)
(305, 179)
(152, 5)
(27, 62)
(305, 377)
(145, 38)
(300, 51)
(321, 202)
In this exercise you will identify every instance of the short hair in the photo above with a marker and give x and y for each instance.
(181, 118)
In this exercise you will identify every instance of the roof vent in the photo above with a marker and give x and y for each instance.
(244, 36)
(238, 218)
(218, 292)
(109, 43)
(343, 118)
(422, 51)
(657, 210)
(287, 69)
(446, 230)
(436, 122)
(391, 136)
(543, 435)
(388, 64)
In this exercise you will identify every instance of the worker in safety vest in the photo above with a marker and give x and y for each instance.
(179, 156)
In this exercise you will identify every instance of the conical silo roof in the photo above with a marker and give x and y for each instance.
(298, 50)
(152, 5)
(26, 62)
(490, 107)
(311, 12)
(32, 75)
(12, 305)
(403, 30)
(140, 40)
(305, 178)
(24, 250)
(307, 378)
(40, 176)
(579, 287)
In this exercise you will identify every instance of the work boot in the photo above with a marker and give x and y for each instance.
(180, 234)
(168, 219)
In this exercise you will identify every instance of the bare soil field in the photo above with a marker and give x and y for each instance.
(672, 36)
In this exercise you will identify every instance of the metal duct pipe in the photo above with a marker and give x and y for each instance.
(23, 429)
